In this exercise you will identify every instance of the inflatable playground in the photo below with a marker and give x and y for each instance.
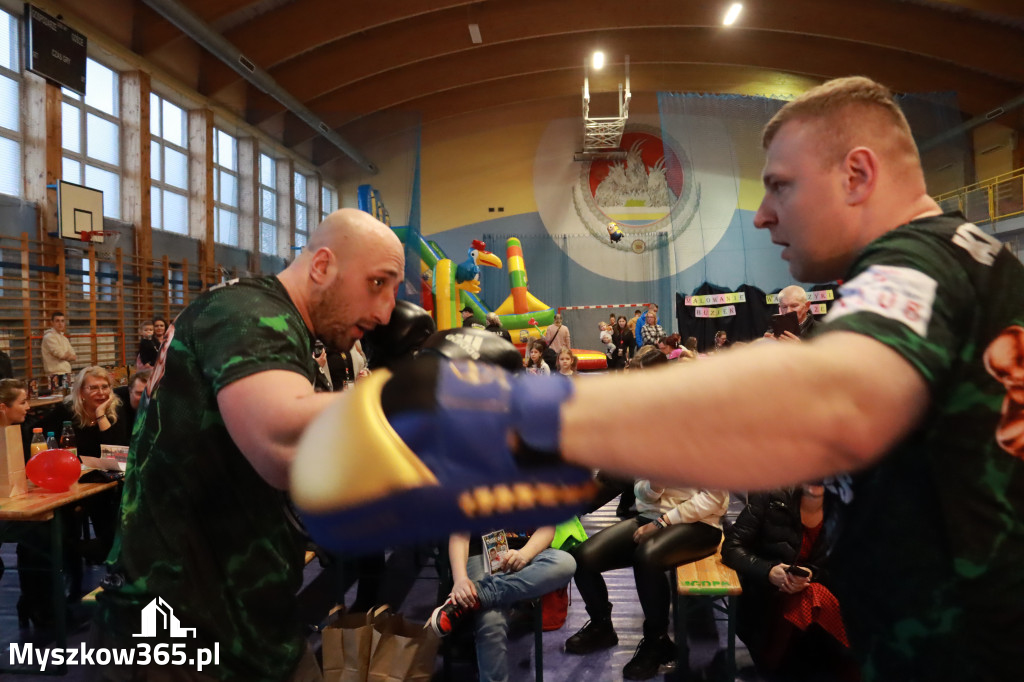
(448, 287)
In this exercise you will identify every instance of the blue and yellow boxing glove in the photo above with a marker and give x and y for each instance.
(435, 445)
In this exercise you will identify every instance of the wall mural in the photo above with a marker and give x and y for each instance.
(679, 194)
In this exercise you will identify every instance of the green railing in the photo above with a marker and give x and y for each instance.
(994, 199)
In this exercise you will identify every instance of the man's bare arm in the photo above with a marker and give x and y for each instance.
(763, 417)
(265, 414)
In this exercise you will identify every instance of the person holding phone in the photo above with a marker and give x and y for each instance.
(792, 299)
(779, 546)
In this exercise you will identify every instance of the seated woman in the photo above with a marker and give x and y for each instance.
(778, 530)
(673, 526)
(484, 595)
(98, 417)
(671, 348)
(13, 408)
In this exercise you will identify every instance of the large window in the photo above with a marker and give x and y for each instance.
(10, 109)
(168, 165)
(328, 201)
(302, 212)
(91, 135)
(225, 188)
(268, 205)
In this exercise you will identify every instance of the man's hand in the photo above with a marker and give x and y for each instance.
(788, 336)
(514, 561)
(464, 593)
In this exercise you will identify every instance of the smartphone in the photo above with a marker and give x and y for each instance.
(786, 323)
(318, 349)
(798, 572)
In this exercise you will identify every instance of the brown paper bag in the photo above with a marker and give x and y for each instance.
(404, 651)
(12, 463)
(348, 644)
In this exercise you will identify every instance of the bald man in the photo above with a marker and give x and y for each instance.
(204, 526)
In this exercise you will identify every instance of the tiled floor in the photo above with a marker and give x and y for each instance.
(414, 587)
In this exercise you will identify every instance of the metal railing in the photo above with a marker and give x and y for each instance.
(993, 199)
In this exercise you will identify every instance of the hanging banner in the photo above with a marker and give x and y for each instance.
(823, 295)
(724, 311)
(716, 299)
(818, 309)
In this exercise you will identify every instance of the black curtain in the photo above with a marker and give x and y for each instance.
(750, 322)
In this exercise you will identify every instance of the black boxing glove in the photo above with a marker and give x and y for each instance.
(409, 326)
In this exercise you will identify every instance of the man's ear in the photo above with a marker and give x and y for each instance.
(322, 265)
(860, 174)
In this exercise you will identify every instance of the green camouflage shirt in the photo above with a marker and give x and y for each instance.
(930, 568)
(199, 527)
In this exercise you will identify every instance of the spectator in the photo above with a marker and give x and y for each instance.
(567, 362)
(776, 531)
(557, 335)
(468, 320)
(131, 394)
(609, 347)
(56, 349)
(651, 308)
(6, 370)
(159, 330)
(691, 345)
(149, 349)
(721, 341)
(673, 526)
(494, 326)
(535, 363)
(525, 573)
(794, 299)
(670, 347)
(625, 345)
(636, 319)
(651, 333)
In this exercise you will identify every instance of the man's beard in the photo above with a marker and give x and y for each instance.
(329, 330)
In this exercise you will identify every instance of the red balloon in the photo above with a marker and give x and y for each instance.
(54, 470)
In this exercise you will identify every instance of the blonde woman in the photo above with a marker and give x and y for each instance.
(96, 414)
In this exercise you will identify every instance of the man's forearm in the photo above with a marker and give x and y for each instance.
(804, 413)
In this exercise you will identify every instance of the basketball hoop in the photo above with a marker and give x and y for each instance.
(104, 241)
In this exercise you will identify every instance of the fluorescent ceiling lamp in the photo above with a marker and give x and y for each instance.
(732, 14)
(474, 34)
(598, 60)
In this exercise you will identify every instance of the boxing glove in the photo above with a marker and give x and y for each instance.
(409, 326)
(433, 446)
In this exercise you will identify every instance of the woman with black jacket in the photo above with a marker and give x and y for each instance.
(780, 546)
(625, 344)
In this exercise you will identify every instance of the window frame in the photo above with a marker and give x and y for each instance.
(82, 157)
(16, 136)
(219, 205)
(162, 144)
(268, 220)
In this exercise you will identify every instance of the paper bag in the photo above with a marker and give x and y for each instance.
(404, 651)
(12, 463)
(348, 644)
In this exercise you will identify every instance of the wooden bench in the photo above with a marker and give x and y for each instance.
(91, 597)
(706, 580)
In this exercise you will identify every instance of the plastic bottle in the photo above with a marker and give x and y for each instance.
(67, 438)
(51, 441)
(38, 443)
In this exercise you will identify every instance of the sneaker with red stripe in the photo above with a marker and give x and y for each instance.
(446, 617)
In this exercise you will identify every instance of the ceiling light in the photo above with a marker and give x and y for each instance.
(474, 34)
(732, 14)
(598, 60)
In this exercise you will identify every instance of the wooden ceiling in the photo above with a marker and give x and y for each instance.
(366, 67)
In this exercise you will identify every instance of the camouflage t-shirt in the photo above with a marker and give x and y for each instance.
(930, 568)
(200, 528)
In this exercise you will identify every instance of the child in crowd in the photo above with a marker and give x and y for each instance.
(609, 348)
(567, 362)
(149, 350)
(535, 363)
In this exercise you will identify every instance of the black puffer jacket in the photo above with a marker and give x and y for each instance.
(769, 532)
